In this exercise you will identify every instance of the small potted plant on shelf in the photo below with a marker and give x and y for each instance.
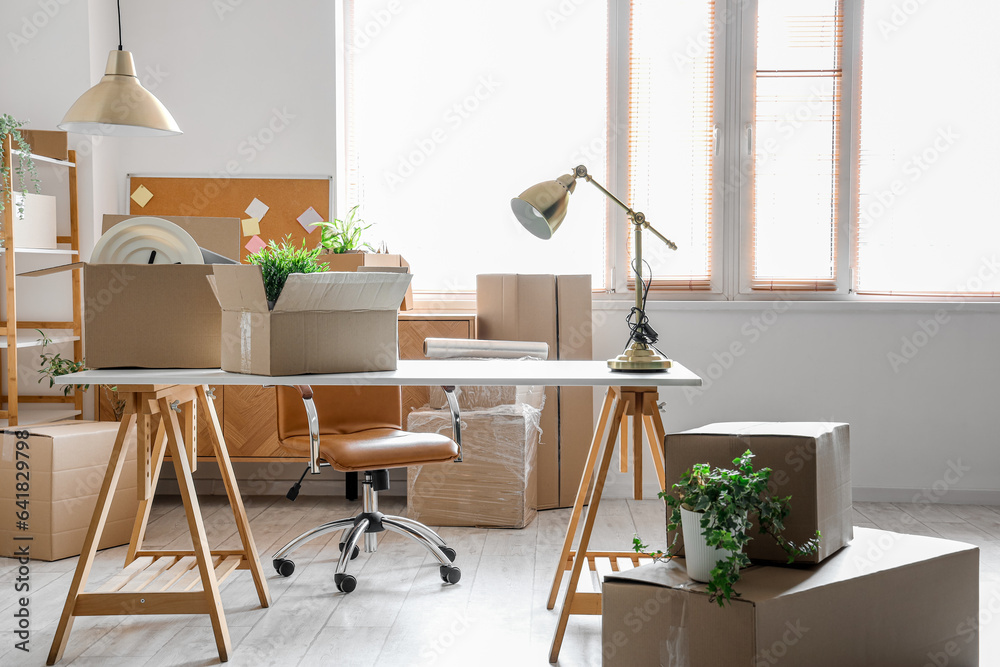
(54, 364)
(25, 168)
(277, 261)
(714, 509)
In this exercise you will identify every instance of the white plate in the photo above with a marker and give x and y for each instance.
(133, 241)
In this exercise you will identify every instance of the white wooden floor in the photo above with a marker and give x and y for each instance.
(401, 613)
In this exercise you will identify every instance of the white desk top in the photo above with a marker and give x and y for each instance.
(410, 373)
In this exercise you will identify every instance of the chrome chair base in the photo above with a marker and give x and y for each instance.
(368, 523)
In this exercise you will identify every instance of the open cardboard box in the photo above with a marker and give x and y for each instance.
(321, 322)
(355, 261)
(155, 315)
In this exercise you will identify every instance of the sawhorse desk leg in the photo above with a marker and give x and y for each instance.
(639, 403)
(158, 581)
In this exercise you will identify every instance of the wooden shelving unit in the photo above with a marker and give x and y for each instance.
(22, 409)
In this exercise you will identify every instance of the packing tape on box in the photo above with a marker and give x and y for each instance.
(246, 327)
(494, 486)
(470, 348)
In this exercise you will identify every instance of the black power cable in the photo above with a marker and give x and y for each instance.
(638, 321)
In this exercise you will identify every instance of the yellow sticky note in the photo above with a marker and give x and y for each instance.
(141, 196)
(251, 227)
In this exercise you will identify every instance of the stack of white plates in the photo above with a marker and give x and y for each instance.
(146, 240)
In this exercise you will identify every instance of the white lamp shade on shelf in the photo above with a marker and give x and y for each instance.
(119, 106)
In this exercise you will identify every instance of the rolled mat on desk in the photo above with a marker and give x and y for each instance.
(463, 348)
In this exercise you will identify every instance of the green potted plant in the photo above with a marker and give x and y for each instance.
(344, 236)
(25, 168)
(714, 509)
(277, 261)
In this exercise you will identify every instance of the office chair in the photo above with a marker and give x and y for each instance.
(357, 429)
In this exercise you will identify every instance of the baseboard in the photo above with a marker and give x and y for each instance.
(869, 494)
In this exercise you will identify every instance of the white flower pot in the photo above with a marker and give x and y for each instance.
(699, 557)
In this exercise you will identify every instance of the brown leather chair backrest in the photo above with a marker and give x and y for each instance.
(341, 410)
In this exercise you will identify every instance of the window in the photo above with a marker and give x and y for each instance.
(828, 147)
(794, 135)
(672, 131)
(926, 220)
(453, 108)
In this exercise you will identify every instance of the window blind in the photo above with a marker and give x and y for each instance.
(794, 136)
(671, 125)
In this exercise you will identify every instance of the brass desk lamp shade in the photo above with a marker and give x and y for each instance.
(541, 209)
(118, 105)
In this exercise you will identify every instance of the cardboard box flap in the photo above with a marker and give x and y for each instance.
(867, 555)
(342, 291)
(67, 427)
(240, 287)
(54, 269)
(796, 429)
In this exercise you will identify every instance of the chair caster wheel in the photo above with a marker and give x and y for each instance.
(450, 553)
(354, 553)
(450, 574)
(345, 582)
(283, 566)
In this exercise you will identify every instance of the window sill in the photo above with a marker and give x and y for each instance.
(466, 303)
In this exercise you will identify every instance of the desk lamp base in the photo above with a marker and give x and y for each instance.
(639, 357)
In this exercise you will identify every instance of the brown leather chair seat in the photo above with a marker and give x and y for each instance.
(378, 448)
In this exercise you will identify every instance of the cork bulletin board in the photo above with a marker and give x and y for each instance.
(269, 208)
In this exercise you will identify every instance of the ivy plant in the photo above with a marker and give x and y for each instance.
(25, 168)
(340, 236)
(728, 500)
(54, 365)
(277, 261)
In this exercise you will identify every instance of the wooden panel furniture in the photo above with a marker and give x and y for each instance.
(163, 581)
(249, 413)
(21, 408)
(413, 329)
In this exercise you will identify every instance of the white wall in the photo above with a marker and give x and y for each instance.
(912, 416)
(257, 74)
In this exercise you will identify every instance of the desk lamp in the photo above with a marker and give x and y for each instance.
(541, 209)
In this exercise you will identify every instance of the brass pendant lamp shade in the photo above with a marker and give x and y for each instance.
(118, 105)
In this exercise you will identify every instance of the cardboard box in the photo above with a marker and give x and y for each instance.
(36, 227)
(321, 322)
(48, 143)
(554, 310)
(474, 397)
(66, 466)
(494, 486)
(155, 315)
(810, 461)
(352, 261)
(887, 600)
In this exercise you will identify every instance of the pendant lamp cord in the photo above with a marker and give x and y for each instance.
(119, 25)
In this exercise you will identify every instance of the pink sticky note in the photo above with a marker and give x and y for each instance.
(309, 218)
(255, 245)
